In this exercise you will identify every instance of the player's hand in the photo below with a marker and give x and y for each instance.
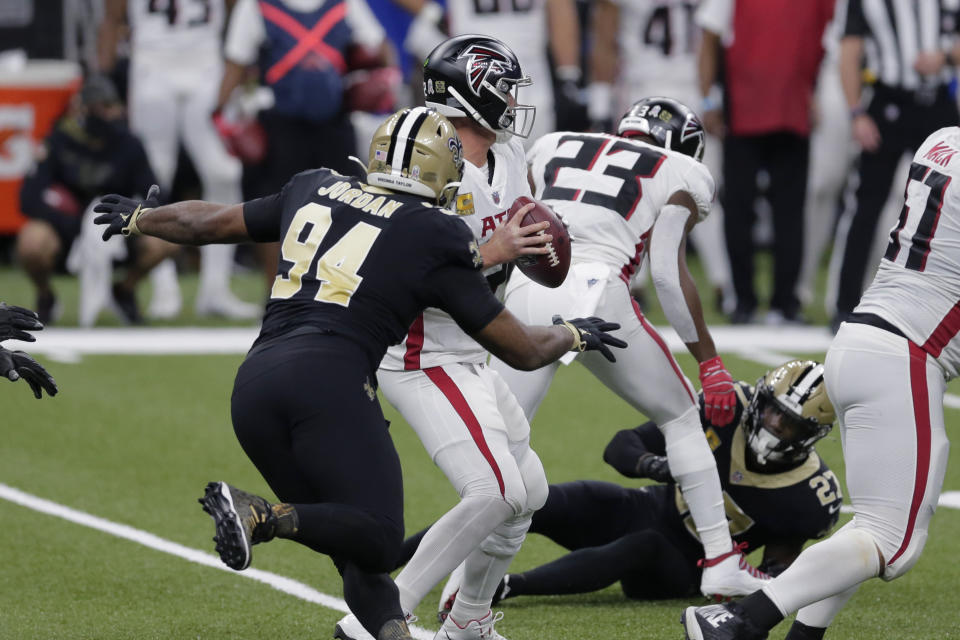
(865, 132)
(510, 241)
(590, 334)
(655, 467)
(16, 321)
(15, 365)
(719, 398)
(120, 213)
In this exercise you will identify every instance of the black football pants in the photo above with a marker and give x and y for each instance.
(305, 413)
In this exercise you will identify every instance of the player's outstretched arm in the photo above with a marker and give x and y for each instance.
(527, 347)
(193, 222)
(680, 300)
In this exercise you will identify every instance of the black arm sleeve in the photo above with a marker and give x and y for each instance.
(628, 445)
(856, 22)
(262, 217)
(464, 294)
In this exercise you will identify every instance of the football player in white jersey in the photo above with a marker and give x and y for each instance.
(174, 63)
(886, 373)
(526, 26)
(649, 49)
(624, 196)
(437, 378)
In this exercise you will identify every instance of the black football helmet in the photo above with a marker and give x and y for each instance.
(788, 413)
(478, 77)
(670, 123)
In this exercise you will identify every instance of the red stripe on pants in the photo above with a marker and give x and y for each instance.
(921, 417)
(411, 359)
(452, 392)
(663, 347)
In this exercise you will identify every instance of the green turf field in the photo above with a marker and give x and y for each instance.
(133, 440)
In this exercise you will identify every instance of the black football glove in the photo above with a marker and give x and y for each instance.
(655, 467)
(16, 321)
(15, 365)
(591, 335)
(120, 213)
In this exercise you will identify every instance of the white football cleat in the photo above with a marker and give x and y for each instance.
(730, 574)
(481, 629)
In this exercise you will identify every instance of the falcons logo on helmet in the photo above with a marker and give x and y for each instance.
(691, 128)
(481, 61)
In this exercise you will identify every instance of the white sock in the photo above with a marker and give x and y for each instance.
(695, 470)
(821, 614)
(448, 542)
(826, 569)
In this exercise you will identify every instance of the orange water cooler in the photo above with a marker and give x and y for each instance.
(31, 100)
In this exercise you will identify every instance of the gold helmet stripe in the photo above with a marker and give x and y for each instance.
(404, 136)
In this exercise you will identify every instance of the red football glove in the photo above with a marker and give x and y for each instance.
(719, 399)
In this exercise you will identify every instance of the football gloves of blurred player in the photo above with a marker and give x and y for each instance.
(16, 321)
(15, 365)
(650, 465)
(719, 398)
(590, 334)
(120, 214)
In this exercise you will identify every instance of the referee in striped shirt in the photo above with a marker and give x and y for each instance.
(908, 49)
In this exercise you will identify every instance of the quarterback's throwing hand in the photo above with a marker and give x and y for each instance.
(15, 365)
(16, 321)
(719, 398)
(590, 334)
(120, 213)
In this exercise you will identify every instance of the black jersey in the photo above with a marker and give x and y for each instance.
(362, 262)
(794, 504)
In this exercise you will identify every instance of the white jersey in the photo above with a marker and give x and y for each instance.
(658, 42)
(610, 190)
(917, 288)
(161, 29)
(434, 338)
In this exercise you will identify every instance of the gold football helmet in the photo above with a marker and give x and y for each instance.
(417, 151)
(788, 413)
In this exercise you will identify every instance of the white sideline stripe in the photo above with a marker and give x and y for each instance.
(281, 583)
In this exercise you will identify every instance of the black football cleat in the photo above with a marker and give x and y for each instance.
(242, 520)
(719, 622)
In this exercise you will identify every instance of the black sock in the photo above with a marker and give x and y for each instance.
(761, 610)
(800, 631)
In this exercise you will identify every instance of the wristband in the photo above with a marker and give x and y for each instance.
(568, 73)
(713, 100)
(858, 110)
(578, 344)
(131, 229)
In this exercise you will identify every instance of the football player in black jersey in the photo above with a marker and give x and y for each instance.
(359, 260)
(777, 493)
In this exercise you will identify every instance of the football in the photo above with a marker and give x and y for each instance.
(550, 269)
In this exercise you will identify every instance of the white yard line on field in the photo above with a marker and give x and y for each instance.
(281, 583)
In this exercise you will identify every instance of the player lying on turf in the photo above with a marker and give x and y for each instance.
(15, 322)
(360, 259)
(777, 493)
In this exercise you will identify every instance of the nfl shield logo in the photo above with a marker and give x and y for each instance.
(496, 197)
(737, 477)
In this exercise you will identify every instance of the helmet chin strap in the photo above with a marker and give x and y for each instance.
(476, 115)
(359, 163)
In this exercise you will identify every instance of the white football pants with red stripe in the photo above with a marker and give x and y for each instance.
(645, 374)
(473, 429)
(888, 394)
